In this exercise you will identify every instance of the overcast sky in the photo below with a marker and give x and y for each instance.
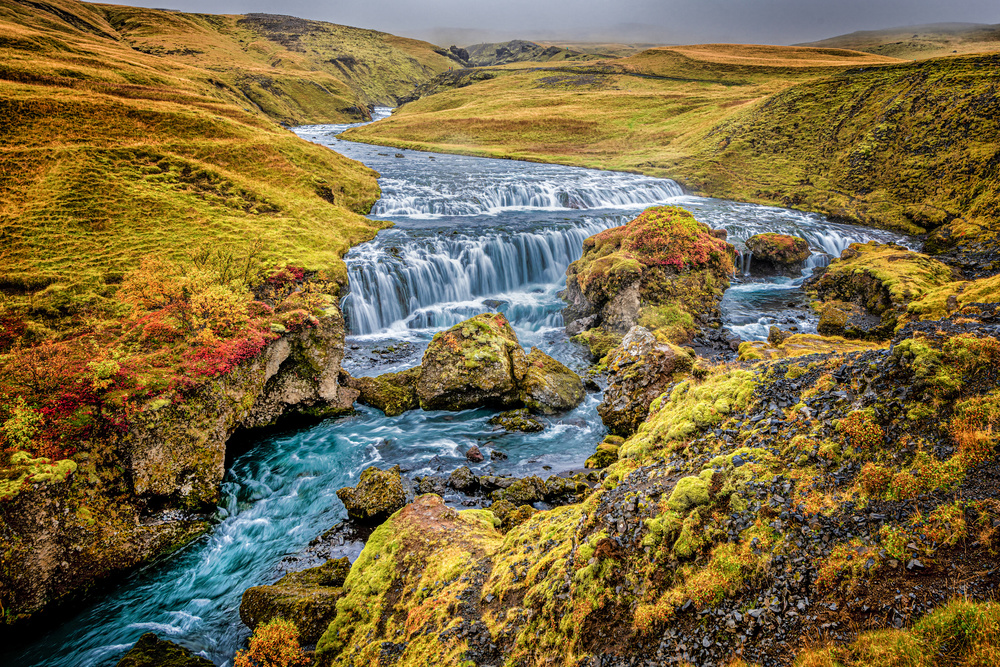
(666, 21)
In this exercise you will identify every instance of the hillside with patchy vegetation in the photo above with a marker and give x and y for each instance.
(916, 42)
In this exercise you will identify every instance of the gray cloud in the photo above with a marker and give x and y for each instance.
(666, 21)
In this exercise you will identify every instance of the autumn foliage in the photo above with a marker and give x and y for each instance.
(273, 644)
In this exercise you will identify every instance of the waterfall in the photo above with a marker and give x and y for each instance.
(417, 285)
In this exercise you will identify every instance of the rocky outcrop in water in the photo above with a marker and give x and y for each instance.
(392, 393)
(777, 253)
(151, 651)
(639, 370)
(663, 270)
(377, 495)
(307, 598)
(480, 363)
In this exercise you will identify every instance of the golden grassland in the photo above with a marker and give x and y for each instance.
(909, 146)
(919, 42)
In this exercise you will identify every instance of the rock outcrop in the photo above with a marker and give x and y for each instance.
(473, 364)
(480, 363)
(151, 651)
(663, 270)
(171, 460)
(639, 370)
(307, 598)
(882, 281)
(376, 496)
(548, 386)
(777, 254)
(392, 393)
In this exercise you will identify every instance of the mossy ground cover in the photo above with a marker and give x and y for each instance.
(873, 144)
(763, 501)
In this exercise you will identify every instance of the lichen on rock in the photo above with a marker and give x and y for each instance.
(376, 496)
(476, 363)
(548, 386)
(307, 598)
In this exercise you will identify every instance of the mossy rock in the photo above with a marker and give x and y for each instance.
(662, 267)
(639, 371)
(477, 363)
(307, 598)
(689, 492)
(392, 393)
(606, 454)
(840, 318)
(549, 386)
(524, 491)
(598, 341)
(511, 516)
(517, 420)
(777, 253)
(151, 651)
(377, 495)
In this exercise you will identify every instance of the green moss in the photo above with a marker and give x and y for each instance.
(689, 492)
(690, 407)
(599, 341)
(22, 469)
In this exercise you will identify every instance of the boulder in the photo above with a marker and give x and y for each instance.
(522, 491)
(639, 370)
(548, 386)
(777, 253)
(884, 281)
(473, 455)
(392, 393)
(378, 494)
(841, 318)
(478, 363)
(517, 420)
(307, 598)
(606, 454)
(151, 651)
(510, 516)
(463, 480)
(664, 269)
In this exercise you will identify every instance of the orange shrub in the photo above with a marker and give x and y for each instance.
(273, 644)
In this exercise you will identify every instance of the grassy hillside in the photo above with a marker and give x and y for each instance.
(485, 55)
(916, 42)
(909, 146)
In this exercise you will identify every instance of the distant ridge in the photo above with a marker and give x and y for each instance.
(916, 42)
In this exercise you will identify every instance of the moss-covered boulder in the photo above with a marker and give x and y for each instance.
(882, 279)
(415, 571)
(478, 363)
(511, 516)
(392, 393)
(524, 491)
(377, 495)
(664, 269)
(151, 651)
(638, 371)
(548, 386)
(307, 598)
(849, 320)
(777, 253)
(517, 420)
(606, 454)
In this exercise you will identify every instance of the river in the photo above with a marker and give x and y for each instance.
(471, 235)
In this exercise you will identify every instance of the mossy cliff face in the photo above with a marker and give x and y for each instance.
(755, 505)
(177, 453)
(664, 270)
(874, 288)
(639, 370)
(62, 534)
